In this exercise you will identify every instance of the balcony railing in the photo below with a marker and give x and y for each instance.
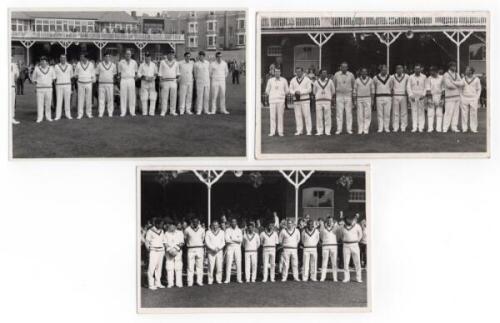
(58, 35)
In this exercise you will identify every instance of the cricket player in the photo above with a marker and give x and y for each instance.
(453, 85)
(218, 75)
(276, 89)
(64, 74)
(383, 93)
(469, 97)
(289, 239)
(416, 93)
(147, 73)
(310, 240)
(301, 87)
(194, 235)
(364, 94)
(269, 241)
(202, 77)
(127, 68)
(351, 234)
(169, 73)
(435, 100)
(344, 86)
(328, 238)
(106, 71)
(186, 84)
(174, 241)
(251, 244)
(399, 100)
(85, 74)
(14, 74)
(43, 76)
(234, 238)
(155, 239)
(324, 91)
(215, 242)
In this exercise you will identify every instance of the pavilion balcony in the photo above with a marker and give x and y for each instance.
(95, 36)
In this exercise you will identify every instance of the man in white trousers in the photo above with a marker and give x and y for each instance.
(169, 74)
(269, 241)
(14, 74)
(155, 244)
(251, 244)
(416, 93)
(399, 100)
(435, 100)
(174, 241)
(215, 242)
(43, 76)
(201, 71)
(85, 75)
(234, 238)
(453, 84)
(324, 91)
(364, 94)
(194, 236)
(310, 240)
(147, 73)
(106, 72)
(328, 238)
(344, 86)
(64, 74)
(127, 68)
(300, 88)
(276, 89)
(469, 97)
(289, 239)
(382, 83)
(186, 84)
(351, 234)
(218, 76)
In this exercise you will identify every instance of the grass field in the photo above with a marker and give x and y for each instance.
(140, 136)
(373, 142)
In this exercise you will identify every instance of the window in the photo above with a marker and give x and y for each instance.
(192, 14)
(19, 25)
(211, 26)
(357, 196)
(317, 197)
(193, 41)
(211, 41)
(241, 40)
(241, 23)
(193, 27)
(274, 51)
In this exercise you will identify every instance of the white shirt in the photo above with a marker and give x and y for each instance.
(218, 71)
(251, 242)
(85, 73)
(452, 84)
(43, 76)
(233, 236)
(324, 90)
(147, 70)
(64, 73)
(277, 90)
(435, 85)
(14, 74)
(364, 88)
(364, 238)
(194, 237)
(399, 84)
(344, 83)
(155, 239)
(186, 72)
(472, 88)
(289, 239)
(106, 72)
(269, 240)
(303, 85)
(310, 238)
(328, 236)
(382, 85)
(174, 240)
(128, 69)
(352, 234)
(169, 70)
(201, 72)
(215, 240)
(416, 85)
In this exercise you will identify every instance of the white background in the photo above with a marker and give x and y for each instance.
(67, 227)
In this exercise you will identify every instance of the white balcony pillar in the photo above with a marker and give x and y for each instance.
(100, 45)
(387, 38)
(27, 44)
(209, 178)
(65, 44)
(458, 37)
(320, 39)
(297, 178)
(140, 45)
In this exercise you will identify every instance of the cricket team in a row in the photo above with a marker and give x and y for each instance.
(226, 246)
(173, 75)
(389, 93)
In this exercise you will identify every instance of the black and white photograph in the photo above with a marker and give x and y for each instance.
(127, 84)
(372, 84)
(262, 238)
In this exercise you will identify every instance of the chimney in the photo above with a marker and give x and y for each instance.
(134, 14)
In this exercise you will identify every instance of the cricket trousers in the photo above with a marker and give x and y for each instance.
(84, 99)
(202, 94)
(451, 113)
(269, 263)
(309, 263)
(218, 91)
(13, 102)
(63, 96)
(417, 113)
(168, 97)
(469, 106)
(384, 113)
(435, 111)
(323, 117)
(399, 112)
(233, 253)
(185, 97)
(343, 103)
(364, 114)
(329, 252)
(173, 264)
(195, 263)
(351, 249)
(154, 267)
(215, 264)
(276, 114)
(251, 265)
(302, 111)
(106, 98)
(127, 96)
(290, 256)
(43, 103)
(148, 94)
